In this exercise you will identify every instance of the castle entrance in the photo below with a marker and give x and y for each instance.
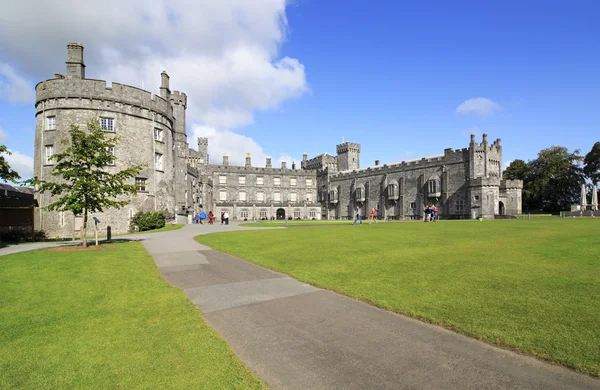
(501, 210)
(280, 214)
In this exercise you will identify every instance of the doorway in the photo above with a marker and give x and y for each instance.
(501, 210)
(280, 214)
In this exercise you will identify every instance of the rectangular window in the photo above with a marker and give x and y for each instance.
(158, 135)
(222, 179)
(49, 154)
(158, 161)
(51, 123)
(312, 214)
(244, 214)
(309, 182)
(107, 124)
(476, 197)
(140, 183)
(260, 181)
(293, 181)
(260, 197)
(413, 206)
(222, 196)
(293, 197)
(242, 196)
(276, 181)
(62, 218)
(111, 150)
(277, 197)
(262, 214)
(242, 180)
(460, 205)
(296, 214)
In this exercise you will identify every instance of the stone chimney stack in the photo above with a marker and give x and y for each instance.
(225, 159)
(485, 139)
(305, 157)
(248, 161)
(268, 162)
(293, 164)
(472, 140)
(165, 90)
(376, 162)
(75, 65)
(283, 165)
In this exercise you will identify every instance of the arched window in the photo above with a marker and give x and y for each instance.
(434, 189)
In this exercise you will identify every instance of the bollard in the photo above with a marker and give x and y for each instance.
(108, 233)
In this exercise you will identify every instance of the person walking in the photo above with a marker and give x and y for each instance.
(211, 217)
(357, 218)
(372, 217)
(222, 217)
(435, 213)
(196, 218)
(226, 217)
(202, 217)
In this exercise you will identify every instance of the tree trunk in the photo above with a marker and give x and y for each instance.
(85, 219)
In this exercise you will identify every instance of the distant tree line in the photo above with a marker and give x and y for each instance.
(552, 182)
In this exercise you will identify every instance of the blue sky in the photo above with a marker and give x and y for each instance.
(388, 75)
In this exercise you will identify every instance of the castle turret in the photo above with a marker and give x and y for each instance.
(75, 65)
(348, 156)
(203, 150)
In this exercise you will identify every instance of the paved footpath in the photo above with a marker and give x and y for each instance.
(295, 336)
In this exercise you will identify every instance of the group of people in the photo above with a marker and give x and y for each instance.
(431, 213)
(372, 217)
(201, 217)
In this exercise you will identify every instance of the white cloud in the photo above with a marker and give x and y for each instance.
(222, 54)
(483, 107)
(3, 136)
(14, 87)
(21, 163)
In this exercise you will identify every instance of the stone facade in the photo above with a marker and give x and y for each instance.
(462, 183)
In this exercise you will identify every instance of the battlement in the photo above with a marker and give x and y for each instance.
(496, 145)
(511, 184)
(485, 182)
(179, 98)
(347, 146)
(202, 141)
(65, 88)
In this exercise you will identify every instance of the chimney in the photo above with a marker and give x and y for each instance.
(376, 162)
(164, 85)
(225, 159)
(293, 164)
(268, 162)
(304, 156)
(248, 161)
(283, 165)
(75, 65)
(472, 139)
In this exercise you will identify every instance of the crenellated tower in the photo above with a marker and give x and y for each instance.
(485, 160)
(348, 156)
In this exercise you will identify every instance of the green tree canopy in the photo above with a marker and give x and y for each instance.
(517, 170)
(6, 172)
(84, 184)
(553, 180)
(591, 164)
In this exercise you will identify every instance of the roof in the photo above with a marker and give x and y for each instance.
(8, 191)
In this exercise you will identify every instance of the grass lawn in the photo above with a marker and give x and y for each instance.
(531, 285)
(105, 319)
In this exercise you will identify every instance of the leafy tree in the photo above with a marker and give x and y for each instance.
(591, 163)
(517, 170)
(6, 173)
(553, 180)
(86, 186)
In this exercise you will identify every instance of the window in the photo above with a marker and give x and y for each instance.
(393, 192)
(260, 181)
(277, 181)
(158, 135)
(51, 123)
(262, 214)
(111, 150)
(242, 196)
(360, 194)
(260, 197)
(476, 197)
(49, 154)
(413, 206)
(296, 214)
(158, 161)
(312, 214)
(309, 197)
(242, 180)
(293, 197)
(62, 218)
(309, 182)
(277, 196)
(140, 183)
(107, 124)
(222, 179)
(293, 181)
(432, 186)
(460, 205)
(244, 214)
(222, 196)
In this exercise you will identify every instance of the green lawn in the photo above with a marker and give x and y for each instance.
(311, 223)
(531, 285)
(105, 319)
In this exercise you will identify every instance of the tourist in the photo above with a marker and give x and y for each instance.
(202, 217)
(435, 213)
(196, 218)
(427, 213)
(226, 217)
(372, 217)
(222, 217)
(211, 217)
(357, 218)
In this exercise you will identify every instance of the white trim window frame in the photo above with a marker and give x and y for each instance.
(111, 150)
(51, 122)
(49, 149)
(158, 134)
(158, 162)
(107, 124)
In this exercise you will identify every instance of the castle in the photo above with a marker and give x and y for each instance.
(463, 183)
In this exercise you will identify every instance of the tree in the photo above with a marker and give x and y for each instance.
(6, 173)
(86, 185)
(517, 170)
(553, 180)
(591, 163)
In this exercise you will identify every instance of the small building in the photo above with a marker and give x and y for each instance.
(17, 206)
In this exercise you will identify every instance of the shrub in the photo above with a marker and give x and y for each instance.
(148, 221)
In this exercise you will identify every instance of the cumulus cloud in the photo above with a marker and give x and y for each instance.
(223, 54)
(3, 136)
(481, 106)
(21, 163)
(14, 87)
